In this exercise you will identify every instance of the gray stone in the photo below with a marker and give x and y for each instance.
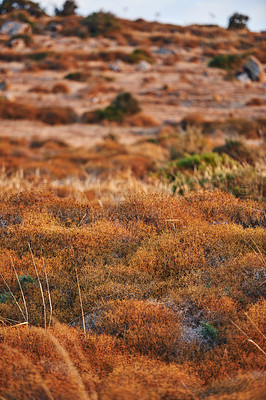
(144, 66)
(254, 69)
(15, 28)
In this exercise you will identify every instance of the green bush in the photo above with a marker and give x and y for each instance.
(101, 23)
(140, 55)
(77, 76)
(227, 61)
(124, 104)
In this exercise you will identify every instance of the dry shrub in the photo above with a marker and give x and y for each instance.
(140, 120)
(13, 110)
(169, 254)
(194, 119)
(89, 366)
(147, 327)
(60, 88)
(57, 115)
(39, 89)
(255, 101)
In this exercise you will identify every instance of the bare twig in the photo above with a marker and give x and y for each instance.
(49, 294)
(21, 290)
(253, 323)
(40, 284)
(249, 340)
(81, 304)
(22, 323)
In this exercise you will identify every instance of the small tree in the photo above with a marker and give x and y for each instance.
(69, 8)
(238, 21)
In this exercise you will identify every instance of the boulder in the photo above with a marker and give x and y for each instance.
(144, 66)
(12, 28)
(254, 69)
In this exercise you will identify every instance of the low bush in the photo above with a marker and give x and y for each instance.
(49, 115)
(227, 61)
(124, 104)
(60, 88)
(57, 115)
(101, 23)
(140, 55)
(238, 151)
(77, 76)
(255, 101)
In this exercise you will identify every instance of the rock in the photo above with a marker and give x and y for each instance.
(116, 66)
(15, 28)
(163, 51)
(243, 77)
(3, 85)
(144, 66)
(254, 69)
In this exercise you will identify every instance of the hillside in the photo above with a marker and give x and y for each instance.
(132, 210)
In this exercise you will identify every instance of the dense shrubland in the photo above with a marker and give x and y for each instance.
(175, 284)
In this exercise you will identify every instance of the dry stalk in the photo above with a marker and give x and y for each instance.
(49, 294)
(248, 338)
(40, 284)
(81, 304)
(21, 290)
(253, 323)
(22, 323)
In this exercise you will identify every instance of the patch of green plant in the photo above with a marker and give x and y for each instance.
(139, 55)
(42, 55)
(111, 113)
(209, 331)
(209, 172)
(25, 279)
(5, 297)
(77, 76)
(127, 103)
(202, 161)
(227, 61)
(124, 104)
